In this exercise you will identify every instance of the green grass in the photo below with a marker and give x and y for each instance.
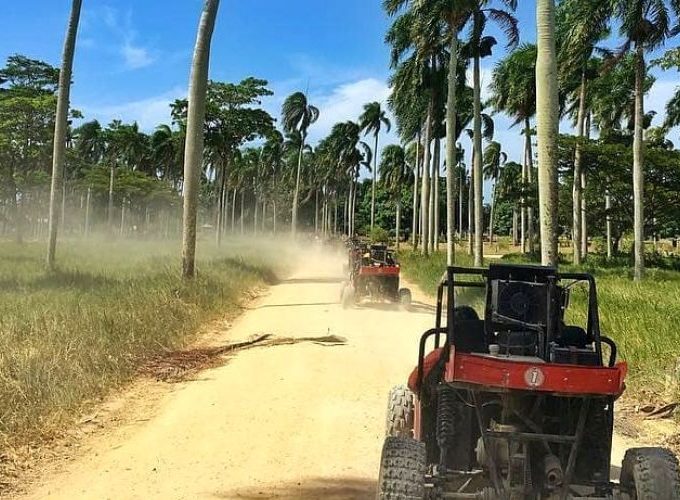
(69, 336)
(643, 318)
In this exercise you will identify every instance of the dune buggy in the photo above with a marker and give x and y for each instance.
(515, 404)
(373, 275)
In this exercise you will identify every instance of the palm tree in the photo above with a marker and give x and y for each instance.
(513, 88)
(645, 25)
(298, 115)
(61, 127)
(547, 126)
(480, 46)
(272, 157)
(395, 173)
(371, 122)
(586, 23)
(494, 159)
(193, 149)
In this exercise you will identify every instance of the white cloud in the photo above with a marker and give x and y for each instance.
(136, 57)
(121, 37)
(148, 112)
(345, 102)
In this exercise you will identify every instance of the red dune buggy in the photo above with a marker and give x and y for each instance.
(515, 404)
(373, 275)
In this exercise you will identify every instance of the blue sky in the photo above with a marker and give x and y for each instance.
(133, 55)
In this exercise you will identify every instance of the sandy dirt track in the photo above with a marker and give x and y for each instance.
(300, 421)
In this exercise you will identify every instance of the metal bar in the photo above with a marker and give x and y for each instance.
(495, 475)
(438, 315)
(571, 463)
(531, 436)
(470, 284)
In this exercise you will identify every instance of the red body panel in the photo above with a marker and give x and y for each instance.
(379, 271)
(541, 377)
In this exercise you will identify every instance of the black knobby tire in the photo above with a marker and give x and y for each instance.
(399, 422)
(651, 474)
(405, 298)
(402, 470)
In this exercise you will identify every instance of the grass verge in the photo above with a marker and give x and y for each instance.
(641, 317)
(70, 336)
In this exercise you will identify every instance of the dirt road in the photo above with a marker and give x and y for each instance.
(300, 421)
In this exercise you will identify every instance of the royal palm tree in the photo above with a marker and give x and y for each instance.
(513, 89)
(395, 174)
(645, 25)
(298, 115)
(372, 121)
(61, 128)
(193, 149)
(480, 46)
(585, 23)
(494, 159)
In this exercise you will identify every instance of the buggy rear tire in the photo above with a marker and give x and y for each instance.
(405, 298)
(651, 474)
(400, 410)
(402, 470)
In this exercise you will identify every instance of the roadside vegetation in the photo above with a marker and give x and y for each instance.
(71, 335)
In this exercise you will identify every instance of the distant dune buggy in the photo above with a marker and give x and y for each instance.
(374, 276)
(515, 403)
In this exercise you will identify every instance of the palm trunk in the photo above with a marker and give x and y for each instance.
(425, 193)
(437, 158)
(584, 198)
(608, 207)
(60, 128)
(547, 125)
(256, 204)
(471, 210)
(122, 217)
(576, 206)
(243, 217)
(416, 174)
(638, 165)
(264, 215)
(515, 239)
(110, 206)
(477, 166)
(220, 206)
(87, 211)
(461, 183)
(296, 193)
(491, 213)
(530, 184)
(451, 150)
(430, 208)
(193, 150)
(233, 211)
(398, 220)
(375, 176)
(316, 212)
(63, 205)
(274, 216)
(523, 205)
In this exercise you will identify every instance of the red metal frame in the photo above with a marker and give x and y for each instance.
(538, 377)
(379, 271)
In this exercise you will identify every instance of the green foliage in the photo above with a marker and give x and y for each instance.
(379, 235)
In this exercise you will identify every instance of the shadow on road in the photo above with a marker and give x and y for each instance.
(419, 307)
(309, 304)
(307, 489)
(306, 281)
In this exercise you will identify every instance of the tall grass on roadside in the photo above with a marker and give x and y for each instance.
(643, 318)
(69, 336)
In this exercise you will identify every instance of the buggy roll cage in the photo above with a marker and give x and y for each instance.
(449, 282)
